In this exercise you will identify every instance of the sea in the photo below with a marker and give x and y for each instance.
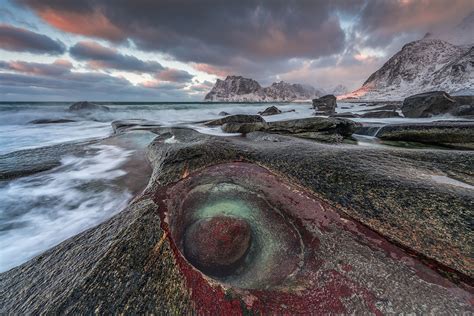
(39, 211)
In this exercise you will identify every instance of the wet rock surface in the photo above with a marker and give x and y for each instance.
(271, 110)
(29, 161)
(317, 128)
(216, 244)
(325, 105)
(380, 114)
(51, 121)
(365, 230)
(86, 106)
(237, 118)
(120, 126)
(436, 103)
(447, 133)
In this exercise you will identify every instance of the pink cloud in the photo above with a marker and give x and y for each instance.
(212, 70)
(91, 24)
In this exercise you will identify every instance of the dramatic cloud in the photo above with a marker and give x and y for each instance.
(21, 40)
(385, 20)
(80, 86)
(174, 75)
(101, 57)
(211, 31)
(59, 67)
(323, 42)
(56, 81)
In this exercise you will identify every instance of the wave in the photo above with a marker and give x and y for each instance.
(39, 211)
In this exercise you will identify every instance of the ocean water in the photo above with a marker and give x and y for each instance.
(43, 209)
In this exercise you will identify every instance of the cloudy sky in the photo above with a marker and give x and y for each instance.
(174, 50)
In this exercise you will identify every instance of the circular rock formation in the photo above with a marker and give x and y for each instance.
(216, 245)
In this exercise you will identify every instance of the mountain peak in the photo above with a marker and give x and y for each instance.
(240, 89)
(423, 65)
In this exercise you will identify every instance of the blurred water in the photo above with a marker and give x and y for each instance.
(41, 210)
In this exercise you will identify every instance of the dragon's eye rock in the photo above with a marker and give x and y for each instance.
(249, 239)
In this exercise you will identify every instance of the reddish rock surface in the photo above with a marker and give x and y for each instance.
(216, 244)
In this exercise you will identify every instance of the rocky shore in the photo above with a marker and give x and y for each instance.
(334, 228)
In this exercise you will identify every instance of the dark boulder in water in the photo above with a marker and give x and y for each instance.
(86, 106)
(317, 128)
(51, 121)
(271, 110)
(464, 111)
(464, 99)
(380, 114)
(223, 113)
(345, 115)
(325, 105)
(443, 133)
(237, 118)
(428, 104)
(120, 126)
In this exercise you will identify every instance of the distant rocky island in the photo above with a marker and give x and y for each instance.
(240, 89)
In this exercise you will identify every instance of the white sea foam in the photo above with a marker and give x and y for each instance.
(39, 211)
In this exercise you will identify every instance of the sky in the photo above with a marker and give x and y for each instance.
(174, 50)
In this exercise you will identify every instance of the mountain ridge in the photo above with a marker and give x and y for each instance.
(240, 89)
(421, 66)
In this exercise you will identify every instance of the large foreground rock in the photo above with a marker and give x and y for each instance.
(318, 128)
(330, 216)
(431, 104)
(86, 106)
(237, 118)
(381, 114)
(442, 133)
(325, 105)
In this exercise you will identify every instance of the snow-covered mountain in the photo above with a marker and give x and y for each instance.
(240, 89)
(339, 90)
(420, 66)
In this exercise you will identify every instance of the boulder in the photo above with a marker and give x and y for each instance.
(381, 114)
(271, 110)
(207, 244)
(464, 99)
(50, 121)
(243, 128)
(318, 128)
(345, 115)
(313, 124)
(325, 105)
(441, 133)
(224, 113)
(87, 106)
(464, 110)
(428, 104)
(120, 126)
(237, 118)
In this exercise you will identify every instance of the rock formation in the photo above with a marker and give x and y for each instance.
(338, 229)
(420, 66)
(436, 103)
(271, 110)
(240, 89)
(85, 106)
(325, 105)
